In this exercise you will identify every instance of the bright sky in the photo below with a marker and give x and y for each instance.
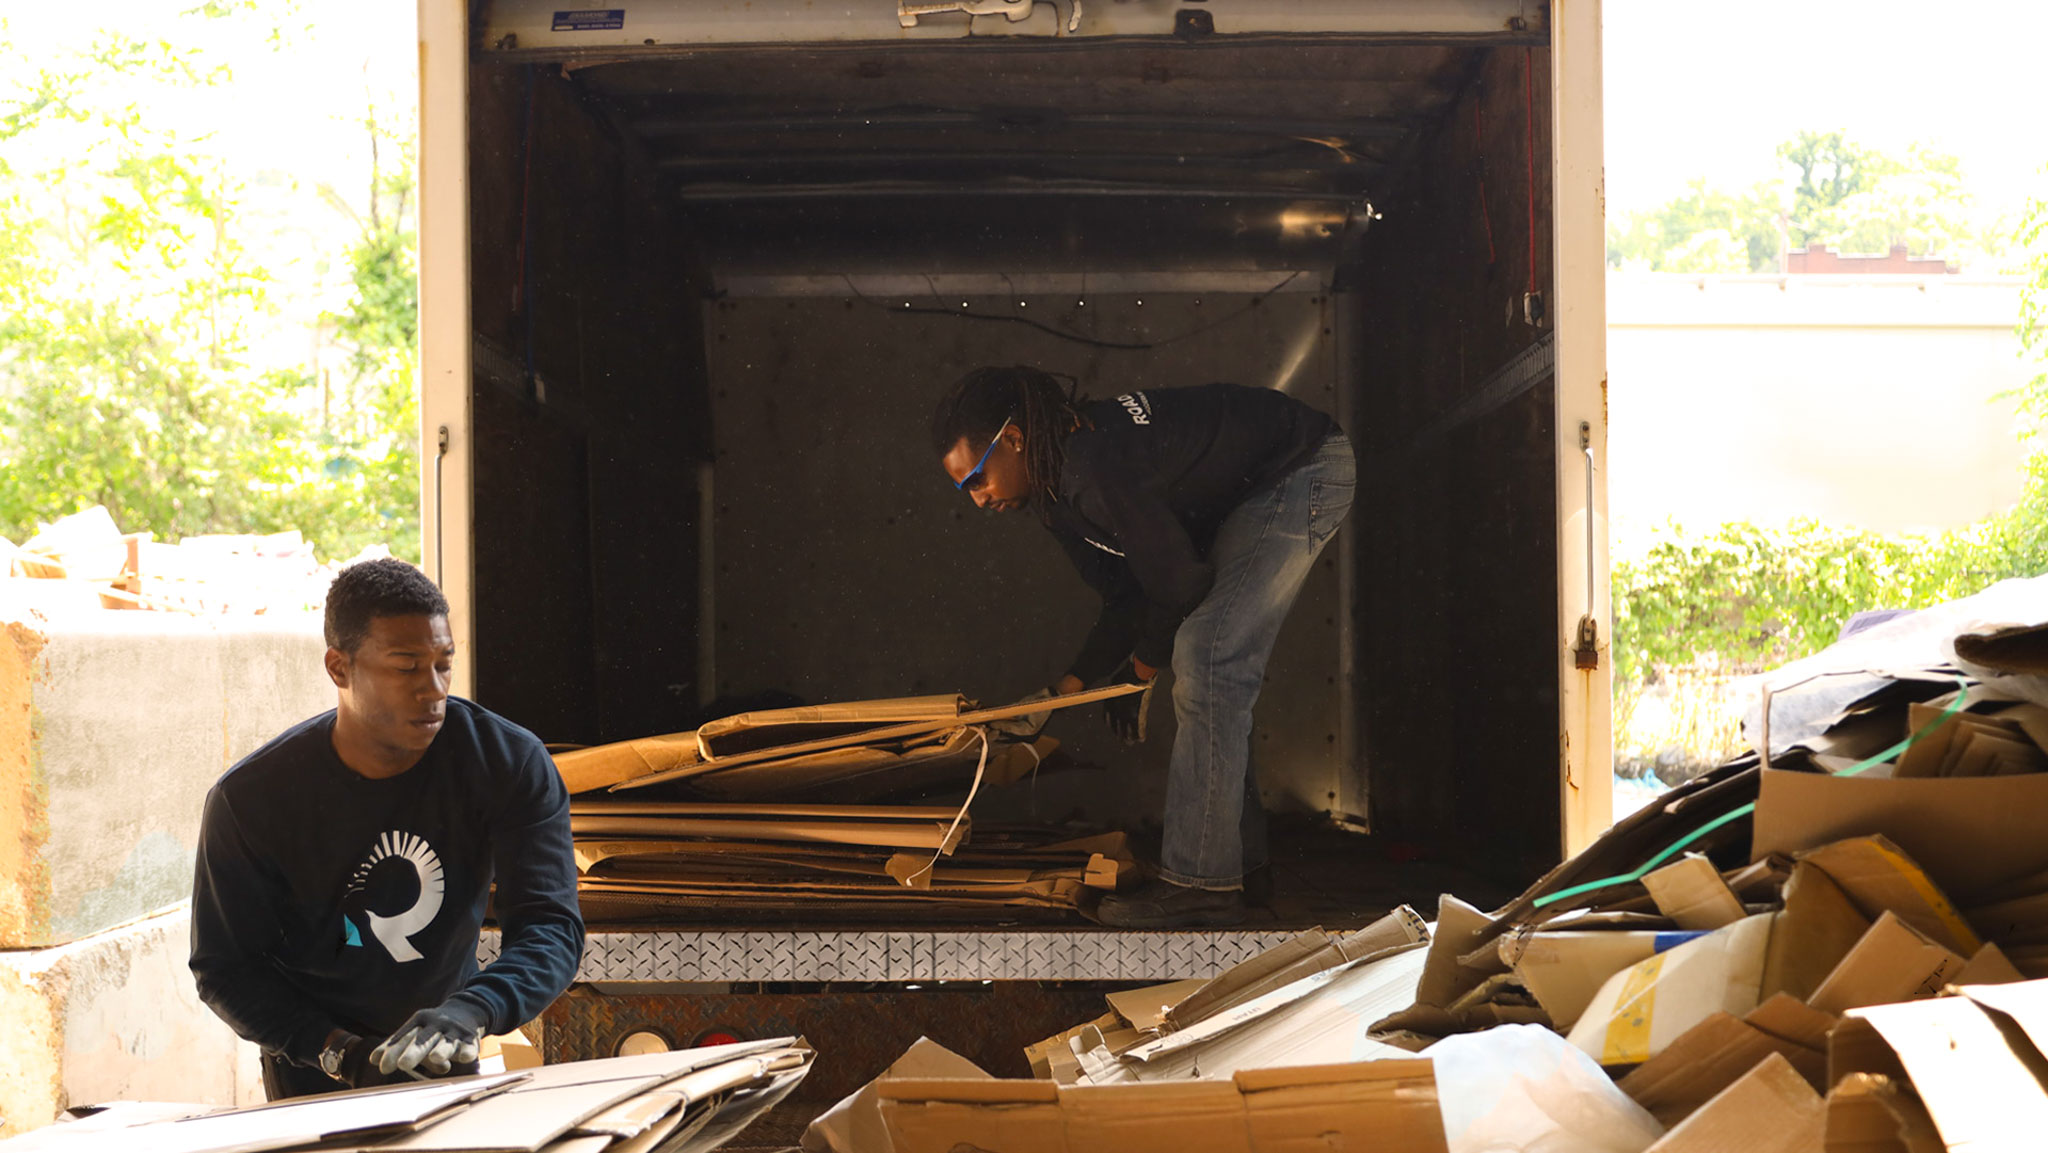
(295, 109)
(1711, 89)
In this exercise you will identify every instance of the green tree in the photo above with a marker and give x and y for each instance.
(127, 309)
(1703, 230)
(1829, 190)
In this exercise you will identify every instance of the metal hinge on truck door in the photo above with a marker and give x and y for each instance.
(1015, 11)
(1586, 654)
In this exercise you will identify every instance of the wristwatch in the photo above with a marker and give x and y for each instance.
(336, 1051)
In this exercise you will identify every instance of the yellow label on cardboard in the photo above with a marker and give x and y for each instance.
(1628, 1031)
(1937, 902)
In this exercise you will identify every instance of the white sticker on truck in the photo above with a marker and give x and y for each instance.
(590, 20)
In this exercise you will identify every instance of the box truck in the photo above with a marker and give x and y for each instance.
(693, 273)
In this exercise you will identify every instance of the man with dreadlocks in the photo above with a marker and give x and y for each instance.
(1196, 513)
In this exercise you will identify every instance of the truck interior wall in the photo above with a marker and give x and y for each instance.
(847, 567)
(588, 411)
(1457, 675)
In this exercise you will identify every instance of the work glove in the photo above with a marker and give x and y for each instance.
(1127, 713)
(433, 1040)
(1028, 726)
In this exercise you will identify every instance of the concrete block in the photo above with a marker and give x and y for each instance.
(114, 1017)
(112, 727)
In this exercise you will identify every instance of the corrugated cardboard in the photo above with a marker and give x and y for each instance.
(2017, 921)
(745, 732)
(868, 772)
(1321, 1018)
(1816, 929)
(2025, 1003)
(888, 834)
(882, 735)
(1375, 1105)
(1053, 1059)
(1893, 962)
(1644, 1008)
(1308, 953)
(1715, 1053)
(1868, 1113)
(1877, 878)
(1691, 892)
(1771, 1109)
(1564, 969)
(605, 765)
(1989, 967)
(1967, 1072)
(1936, 754)
(854, 1125)
(1460, 928)
(1146, 1009)
(1968, 833)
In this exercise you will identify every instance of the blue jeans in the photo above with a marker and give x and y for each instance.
(1263, 552)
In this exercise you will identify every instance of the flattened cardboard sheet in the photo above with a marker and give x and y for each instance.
(1893, 962)
(1379, 1104)
(1771, 1109)
(854, 1125)
(585, 770)
(1310, 952)
(1707, 1059)
(884, 734)
(885, 834)
(745, 732)
(1974, 1084)
(1691, 892)
(1967, 833)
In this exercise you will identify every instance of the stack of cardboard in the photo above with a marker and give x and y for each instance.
(647, 861)
(691, 1101)
(783, 825)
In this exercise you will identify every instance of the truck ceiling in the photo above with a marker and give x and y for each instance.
(974, 153)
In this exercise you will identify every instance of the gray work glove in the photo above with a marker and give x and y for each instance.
(1127, 713)
(1028, 726)
(433, 1040)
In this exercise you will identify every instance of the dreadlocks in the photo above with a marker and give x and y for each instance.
(978, 403)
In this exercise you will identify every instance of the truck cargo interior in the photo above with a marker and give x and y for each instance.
(716, 289)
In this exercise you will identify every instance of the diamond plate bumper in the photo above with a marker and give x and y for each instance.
(1084, 955)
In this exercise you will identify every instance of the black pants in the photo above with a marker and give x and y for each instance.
(282, 1078)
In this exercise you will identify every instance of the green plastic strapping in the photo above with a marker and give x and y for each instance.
(1671, 850)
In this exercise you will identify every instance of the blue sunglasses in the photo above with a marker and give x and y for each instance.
(975, 477)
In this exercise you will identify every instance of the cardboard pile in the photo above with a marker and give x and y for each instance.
(690, 1101)
(1307, 1002)
(783, 823)
(1826, 945)
(85, 560)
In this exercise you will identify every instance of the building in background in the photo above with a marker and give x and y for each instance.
(1867, 399)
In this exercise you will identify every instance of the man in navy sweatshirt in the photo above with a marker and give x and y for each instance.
(1196, 513)
(344, 867)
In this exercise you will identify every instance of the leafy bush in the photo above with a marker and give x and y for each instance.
(1742, 598)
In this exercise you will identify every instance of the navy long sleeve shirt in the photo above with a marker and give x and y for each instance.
(325, 899)
(1147, 482)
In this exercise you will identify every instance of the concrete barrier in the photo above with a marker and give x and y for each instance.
(112, 727)
(114, 1017)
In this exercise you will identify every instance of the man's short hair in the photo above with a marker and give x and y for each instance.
(386, 587)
